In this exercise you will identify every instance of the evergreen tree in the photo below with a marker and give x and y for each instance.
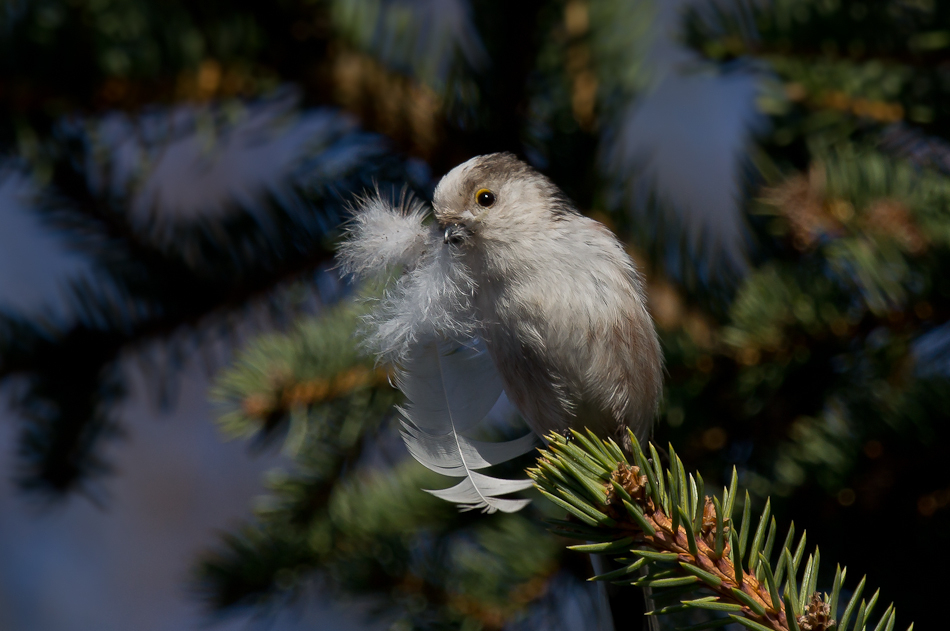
(819, 370)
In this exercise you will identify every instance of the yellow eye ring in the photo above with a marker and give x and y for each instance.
(484, 197)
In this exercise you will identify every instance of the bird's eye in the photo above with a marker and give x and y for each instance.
(484, 197)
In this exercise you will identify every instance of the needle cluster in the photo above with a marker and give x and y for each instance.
(686, 546)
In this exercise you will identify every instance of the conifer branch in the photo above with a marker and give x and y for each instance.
(681, 542)
(187, 282)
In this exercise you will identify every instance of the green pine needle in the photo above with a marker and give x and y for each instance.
(870, 607)
(703, 575)
(712, 603)
(593, 488)
(668, 582)
(759, 537)
(680, 472)
(663, 499)
(693, 510)
(780, 566)
(656, 556)
(791, 618)
(720, 538)
(615, 452)
(859, 621)
(770, 581)
(620, 545)
(667, 610)
(596, 449)
(583, 463)
(674, 501)
(885, 619)
(770, 540)
(799, 553)
(653, 488)
(791, 585)
(836, 590)
(744, 527)
(849, 610)
(804, 594)
(663, 511)
(749, 624)
(736, 557)
(699, 493)
(690, 534)
(634, 511)
(812, 582)
(582, 515)
(748, 601)
(730, 495)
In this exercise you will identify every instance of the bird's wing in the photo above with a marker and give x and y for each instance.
(449, 388)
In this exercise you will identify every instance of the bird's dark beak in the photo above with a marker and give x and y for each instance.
(454, 233)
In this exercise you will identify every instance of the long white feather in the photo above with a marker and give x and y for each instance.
(449, 386)
(449, 454)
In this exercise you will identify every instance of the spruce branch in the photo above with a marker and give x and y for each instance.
(314, 366)
(178, 284)
(680, 542)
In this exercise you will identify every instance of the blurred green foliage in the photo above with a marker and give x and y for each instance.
(820, 371)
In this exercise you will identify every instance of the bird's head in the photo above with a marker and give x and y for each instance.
(495, 192)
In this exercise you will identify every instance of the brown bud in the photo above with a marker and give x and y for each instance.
(630, 479)
(817, 616)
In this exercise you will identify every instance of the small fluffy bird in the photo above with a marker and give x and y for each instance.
(511, 266)
(560, 302)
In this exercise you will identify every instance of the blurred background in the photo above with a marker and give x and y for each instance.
(190, 438)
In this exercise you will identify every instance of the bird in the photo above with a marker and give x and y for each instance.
(561, 305)
(510, 289)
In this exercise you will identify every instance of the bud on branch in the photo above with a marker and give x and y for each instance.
(680, 542)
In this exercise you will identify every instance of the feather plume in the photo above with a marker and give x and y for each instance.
(449, 385)
(430, 301)
(381, 236)
(432, 298)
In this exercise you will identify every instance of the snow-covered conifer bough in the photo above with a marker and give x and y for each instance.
(510, 287)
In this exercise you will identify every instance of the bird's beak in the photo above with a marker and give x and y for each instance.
(457, 225)
(454, 233)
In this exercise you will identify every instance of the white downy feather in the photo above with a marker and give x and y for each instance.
(381, 236)
(450, 387)
(432, 300)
